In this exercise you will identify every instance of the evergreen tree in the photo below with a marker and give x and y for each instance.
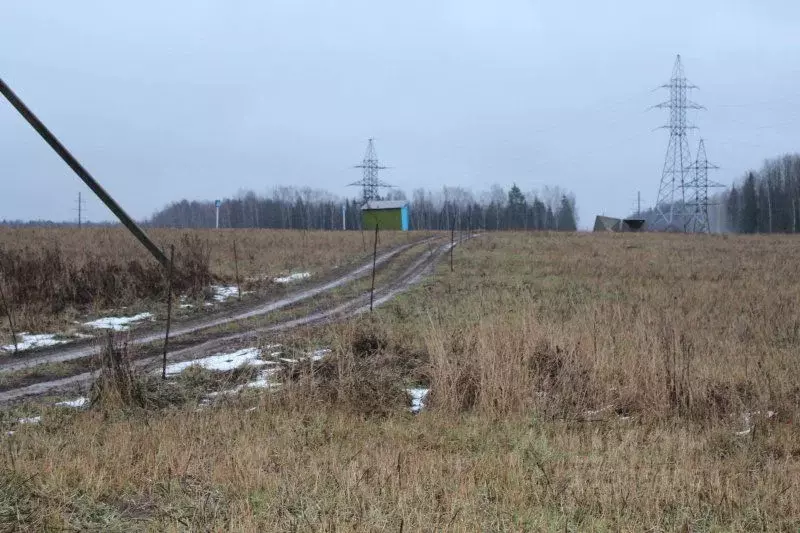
(749, 211)
(733, 209)
(566, 216)
(516, 207)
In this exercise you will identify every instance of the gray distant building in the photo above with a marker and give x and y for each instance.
(619, 225)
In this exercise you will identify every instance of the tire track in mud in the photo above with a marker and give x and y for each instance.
(423, 266)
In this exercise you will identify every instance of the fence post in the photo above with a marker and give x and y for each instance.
(374, 260)
(236, 267)
(7, 307)
(452, 243)
(170, 271)
(363, 239)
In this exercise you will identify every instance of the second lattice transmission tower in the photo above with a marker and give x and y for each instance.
(370, 182)
(676, 176)
(697, 201)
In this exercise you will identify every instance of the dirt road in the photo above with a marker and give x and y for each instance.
(80, 350)
(412, 275)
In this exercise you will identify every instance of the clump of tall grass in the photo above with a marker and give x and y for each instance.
(364, 373)
(45, 281)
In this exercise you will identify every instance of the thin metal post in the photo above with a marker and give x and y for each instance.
(82, 173)
(374, 261)
(236, 266)
(7, 307)
(170, 272)
(452, 243)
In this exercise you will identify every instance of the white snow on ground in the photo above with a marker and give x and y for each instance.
(318, 355)
(77, 403)
(122, 323)
(262, 382)
(291, 278)
(33, 420)
(747, 419)
(186, 306)
(223, 292)
(221, 362)
(26, 341)
(417, 399)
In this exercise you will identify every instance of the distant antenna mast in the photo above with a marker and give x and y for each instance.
(697, 203)
(370, 183)
(81, 203)
(675, 177)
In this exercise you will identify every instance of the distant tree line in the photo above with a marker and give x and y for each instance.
(763, 201)
(306, 208)
(766, 201)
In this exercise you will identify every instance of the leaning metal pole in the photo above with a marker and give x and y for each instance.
(82, 173)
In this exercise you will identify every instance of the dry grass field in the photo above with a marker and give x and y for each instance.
(577, 383)
(54, 275)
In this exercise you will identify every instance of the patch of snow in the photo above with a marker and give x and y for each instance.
(77, 403)
(291, 278)
(186, 306)
(32, 420)
(417, 399)
(223, 292)
(318, 355)
(26, 341)
(289, 361)
(118, 323)
(221, 362)
(262, 382)
(272, 346)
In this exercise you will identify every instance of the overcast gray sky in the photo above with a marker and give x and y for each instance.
(199, 99)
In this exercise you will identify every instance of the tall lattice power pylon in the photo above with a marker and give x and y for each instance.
(675, 177)
(697, 200)
(370, 183)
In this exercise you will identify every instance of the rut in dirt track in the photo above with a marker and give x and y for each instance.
(423, 266)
